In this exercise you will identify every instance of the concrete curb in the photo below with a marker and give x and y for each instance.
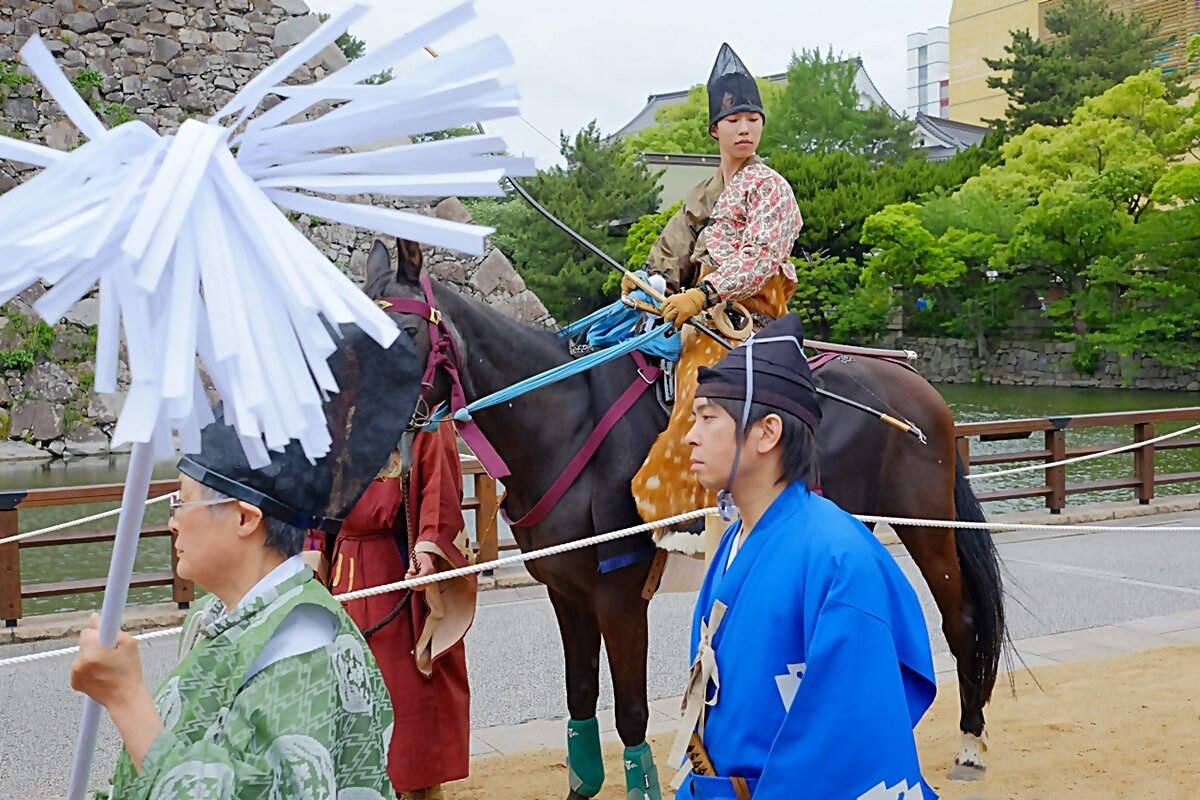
(70, 623)
(165, 615)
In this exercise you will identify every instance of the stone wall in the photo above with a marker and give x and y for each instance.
(162, 61)
(1041, 364)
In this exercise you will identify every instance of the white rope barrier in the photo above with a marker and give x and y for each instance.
(82, 520)
(608, 537)
(472, 569)
(1077, 459)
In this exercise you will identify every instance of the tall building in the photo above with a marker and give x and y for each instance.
(929, 73)
(981, 29)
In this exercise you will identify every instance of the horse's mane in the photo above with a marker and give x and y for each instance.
(546, 341)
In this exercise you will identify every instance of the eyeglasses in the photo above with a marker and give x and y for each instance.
(175, 503)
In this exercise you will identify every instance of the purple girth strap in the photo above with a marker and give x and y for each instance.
(443, 355)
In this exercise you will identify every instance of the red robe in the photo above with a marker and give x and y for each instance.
(421, 652)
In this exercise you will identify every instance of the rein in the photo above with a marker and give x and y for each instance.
(443, 355)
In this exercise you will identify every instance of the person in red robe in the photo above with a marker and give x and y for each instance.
(417, 639)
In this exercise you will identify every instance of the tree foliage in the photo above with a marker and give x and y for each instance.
(1090, 49)
(818, 112)
(1099, 217)
(595, 188)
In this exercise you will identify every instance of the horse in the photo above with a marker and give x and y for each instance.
(539, 432)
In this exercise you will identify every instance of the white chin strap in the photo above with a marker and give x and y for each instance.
(726, 506)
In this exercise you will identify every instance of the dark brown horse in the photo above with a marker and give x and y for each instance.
(866, 467)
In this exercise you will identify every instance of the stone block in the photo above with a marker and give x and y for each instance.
(50, 382)
(135, 46)
(452, 209)
(491, 273)
(165, 49)
(61, 135)
(193, 36)
(107, 14)
(293, 7)
(188, 65)
(294, 30)
(21, 110)
(175, 19)
(46, 16)
(82, 22)
(105, 408)
(37, 418)
(227, 41)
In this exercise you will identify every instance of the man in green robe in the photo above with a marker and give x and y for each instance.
(276, 695)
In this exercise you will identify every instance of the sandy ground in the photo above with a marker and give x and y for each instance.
(1125, 727)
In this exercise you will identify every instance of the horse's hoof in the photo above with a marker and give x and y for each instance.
(574, 795)
(967, 772)
(968, 764)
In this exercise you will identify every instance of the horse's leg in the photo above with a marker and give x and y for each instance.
(581, 647)
(935, 554)
(622, 613)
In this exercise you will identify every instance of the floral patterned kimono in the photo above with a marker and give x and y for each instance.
(738, 238)
(310, 726)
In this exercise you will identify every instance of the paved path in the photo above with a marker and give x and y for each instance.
(1072, 597)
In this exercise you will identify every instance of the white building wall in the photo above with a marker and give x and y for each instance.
(929, 72)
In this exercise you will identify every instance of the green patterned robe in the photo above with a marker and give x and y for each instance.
(315, 725)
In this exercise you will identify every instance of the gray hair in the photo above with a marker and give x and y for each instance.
(282, 537)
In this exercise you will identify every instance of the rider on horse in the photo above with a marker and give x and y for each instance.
(731, 241)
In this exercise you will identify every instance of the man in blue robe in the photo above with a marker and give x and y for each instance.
(811, 656)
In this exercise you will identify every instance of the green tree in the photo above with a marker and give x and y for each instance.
(837, 192)
(1100, 212)
(1089, 50)
(818, 111)
(595, 188)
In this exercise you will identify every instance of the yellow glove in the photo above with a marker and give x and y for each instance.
(679, 308)
(627, 285)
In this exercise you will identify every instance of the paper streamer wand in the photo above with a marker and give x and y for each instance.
(196, 262)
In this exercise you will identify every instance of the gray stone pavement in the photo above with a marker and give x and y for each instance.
(1071, 597)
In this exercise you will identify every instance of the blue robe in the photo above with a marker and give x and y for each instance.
(823, 661)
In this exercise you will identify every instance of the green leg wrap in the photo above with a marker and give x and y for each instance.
(641, 776)
(585, 764)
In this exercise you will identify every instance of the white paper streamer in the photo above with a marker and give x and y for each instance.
(196, 262)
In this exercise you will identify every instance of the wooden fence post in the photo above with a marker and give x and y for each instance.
(183, 592)
(10, 568)
(1056, 477)
(486, 527)
(964, 452)
(1143, 462)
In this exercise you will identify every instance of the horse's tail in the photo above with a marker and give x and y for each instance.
(980, 566)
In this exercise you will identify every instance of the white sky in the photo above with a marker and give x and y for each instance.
(578, 60)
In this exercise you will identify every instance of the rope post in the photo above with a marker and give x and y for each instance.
(10, 569)
(1143, 462)
(714, 528)
(486, 527)
(1056, 477)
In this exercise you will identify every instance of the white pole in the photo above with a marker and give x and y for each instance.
(116, 590)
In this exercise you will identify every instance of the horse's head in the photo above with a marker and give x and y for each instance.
(403, 280)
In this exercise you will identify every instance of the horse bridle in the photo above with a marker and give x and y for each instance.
(444, 357)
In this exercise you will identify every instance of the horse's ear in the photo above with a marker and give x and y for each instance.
(379, 265)
(411, 262)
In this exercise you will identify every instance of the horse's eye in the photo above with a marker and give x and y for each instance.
(412, 332)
